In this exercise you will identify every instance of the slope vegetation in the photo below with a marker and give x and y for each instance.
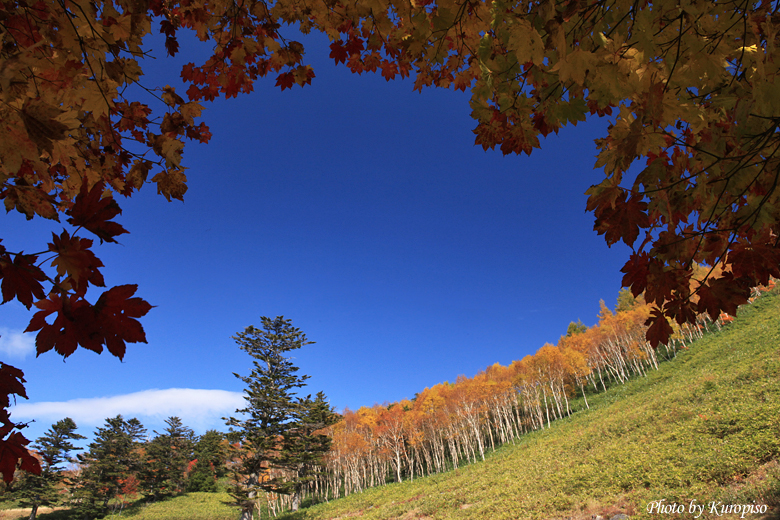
(704, 430)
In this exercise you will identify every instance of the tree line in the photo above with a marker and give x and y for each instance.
(451, 424)
(282, 448)
(121, 463)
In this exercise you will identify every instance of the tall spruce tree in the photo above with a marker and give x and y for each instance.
(54, 448)
(277, 445)
(113, 458)
(307, 443)
(165, 460)
(211, 456)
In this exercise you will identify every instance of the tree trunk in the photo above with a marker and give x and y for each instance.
(246, 513)
(34, 511)
(296, 499)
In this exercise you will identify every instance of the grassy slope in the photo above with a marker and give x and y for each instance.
(704, 427)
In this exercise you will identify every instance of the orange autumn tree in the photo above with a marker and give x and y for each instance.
(692, 87)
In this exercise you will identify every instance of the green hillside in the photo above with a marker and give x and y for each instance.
(704, 427)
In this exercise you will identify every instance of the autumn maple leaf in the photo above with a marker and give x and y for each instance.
(285, 80)
(116, 311)
(74, 325)
(93, 212)
(21, 278)
(11, 383)
(75, 259)
(13, 454)
(338, 52)
(636, 270)
(756, 261)
(722, 294)
(660, 331)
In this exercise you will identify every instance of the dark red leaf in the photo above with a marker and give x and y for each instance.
(13, 453)
(21, 279)
(285, 80)
(338, 52)
(757, 262)
(722, 294)
(93, 212)
(659, 331)
(75, 259)
(116, 310)
(636, 270)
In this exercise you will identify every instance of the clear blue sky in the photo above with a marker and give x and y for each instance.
(359, 209)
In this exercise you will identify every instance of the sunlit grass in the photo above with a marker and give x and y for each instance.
(705, 427)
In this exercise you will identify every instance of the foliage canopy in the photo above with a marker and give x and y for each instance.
(692, 87)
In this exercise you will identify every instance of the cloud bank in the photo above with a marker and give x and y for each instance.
(15, 344)
(198, 409)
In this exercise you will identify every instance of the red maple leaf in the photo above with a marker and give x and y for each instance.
(662, 282)
(13, 454)
(110, 322)
(116, 311)
(660, 331)
(21, 278)
(722, 294)
(285, 80)
(76, 259)
(11, 383)
(338, 52)
(389, 69)
(756, 261)
(93, 212)
(636, 270)
(74, 325)
(681, 309)
(632, 216)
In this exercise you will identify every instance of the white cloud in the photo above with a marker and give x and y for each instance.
(16, 344)
(198, 409)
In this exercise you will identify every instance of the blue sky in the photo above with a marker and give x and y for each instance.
(359, 209)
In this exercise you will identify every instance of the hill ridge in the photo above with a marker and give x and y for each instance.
(704, 427)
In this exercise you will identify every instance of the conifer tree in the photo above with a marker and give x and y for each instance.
(112, 459)
(53, 447)
(278, 446)
(307, 444)
(166, 458)
(210, 455)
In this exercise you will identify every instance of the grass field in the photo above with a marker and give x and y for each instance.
(703, 429)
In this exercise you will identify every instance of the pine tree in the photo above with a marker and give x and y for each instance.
(165, 460)
(278, 446)
(53, 448)
(210, 455)
(575, 328)
(112, 460)
(305, 446)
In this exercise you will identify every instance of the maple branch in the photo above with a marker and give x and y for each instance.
(677, 56)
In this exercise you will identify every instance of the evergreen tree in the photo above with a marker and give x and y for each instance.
(575, 328)
(210, 455)
(625, 301)
(278, 447)
(306, 444)
(111, 462)
(165, 460)
(53, 448)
